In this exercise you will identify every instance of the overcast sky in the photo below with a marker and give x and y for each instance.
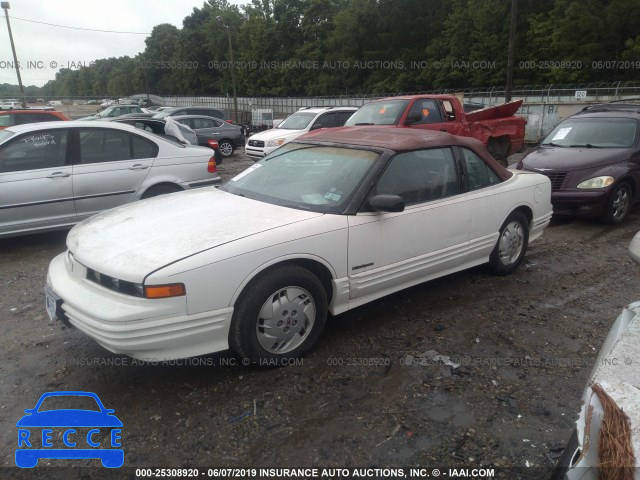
(39, 47)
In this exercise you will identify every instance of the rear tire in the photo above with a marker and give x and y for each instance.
(619, 205)
(160, 190)
(226, 148)
(279, 316)
(512, 244)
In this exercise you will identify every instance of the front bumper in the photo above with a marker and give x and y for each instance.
(150, 330)
(257, 152)
(586, 203)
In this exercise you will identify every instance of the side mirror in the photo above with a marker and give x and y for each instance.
(413, 117)
(317, 126)
(386, 203)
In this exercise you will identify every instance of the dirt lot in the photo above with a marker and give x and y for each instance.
(368, 395)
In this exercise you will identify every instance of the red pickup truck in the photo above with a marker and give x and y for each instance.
(497, 127)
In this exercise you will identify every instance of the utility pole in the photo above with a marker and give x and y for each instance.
(512, 49)
(233, 69)
(5, 6)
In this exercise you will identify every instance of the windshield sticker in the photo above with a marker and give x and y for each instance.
(333, 196)
(314, 199)
(246, 172)
(560, 134)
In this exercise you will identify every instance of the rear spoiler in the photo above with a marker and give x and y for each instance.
(496, 111)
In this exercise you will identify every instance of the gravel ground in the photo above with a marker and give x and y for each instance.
(371, 393)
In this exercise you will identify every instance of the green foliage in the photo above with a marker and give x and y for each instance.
(365, 46)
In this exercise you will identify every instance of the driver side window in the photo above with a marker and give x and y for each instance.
(420, 176)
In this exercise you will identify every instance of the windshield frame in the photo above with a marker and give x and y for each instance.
(549, 139)
(351, 203)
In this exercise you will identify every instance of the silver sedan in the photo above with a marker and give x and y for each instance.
(55, 174)
(228, 135)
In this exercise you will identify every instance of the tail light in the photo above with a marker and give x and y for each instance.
(228, 121)
(211, 166)
(212, 144)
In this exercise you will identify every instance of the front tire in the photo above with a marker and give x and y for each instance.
(619, 205)
(226, 148)
(279, 316)
(512, 244)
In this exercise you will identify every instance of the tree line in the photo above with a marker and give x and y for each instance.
(330, 47)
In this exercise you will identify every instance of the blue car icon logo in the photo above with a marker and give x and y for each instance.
(69, 433)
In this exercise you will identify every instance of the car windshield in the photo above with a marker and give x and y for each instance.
(163, 113)
(594, 133)
(297, 121)
(69, 402)
(105, 113)
(385, 112)
(310, 177)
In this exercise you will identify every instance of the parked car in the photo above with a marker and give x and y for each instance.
(329, 222)
(206, 111)
(9, 118)
(496, 126)
(11, 105)
(295, 125)
(227, 135)
(593, 161)
(115, 111)
(614, 381)
(157, 126)
(53, 175)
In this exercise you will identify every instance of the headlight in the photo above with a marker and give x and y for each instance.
(276, 142)
(597, 182)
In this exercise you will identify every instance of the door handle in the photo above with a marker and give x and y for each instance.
(59, 175)
(138, 166)
(443, 129)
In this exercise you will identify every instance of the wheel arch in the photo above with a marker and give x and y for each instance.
(164, 183)
(632, 183)
(316, 265)
(525, 210)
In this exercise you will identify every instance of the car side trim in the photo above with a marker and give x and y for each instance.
(204, 183)
(84, 197)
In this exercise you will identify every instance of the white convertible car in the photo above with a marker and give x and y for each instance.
(329, 222)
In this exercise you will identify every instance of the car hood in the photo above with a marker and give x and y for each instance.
(276, 133)
(69, 418)
(134, 240)
(570, 159)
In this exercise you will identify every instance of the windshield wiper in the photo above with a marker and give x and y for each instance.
(586, 145)
(363, 123)
(551, 144)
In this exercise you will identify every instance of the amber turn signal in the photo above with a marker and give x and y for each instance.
(165, 291)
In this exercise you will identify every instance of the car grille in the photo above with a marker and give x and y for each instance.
(557, 178)
(256, 143)
(120, 286)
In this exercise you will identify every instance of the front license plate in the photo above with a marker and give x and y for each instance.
(50, 303)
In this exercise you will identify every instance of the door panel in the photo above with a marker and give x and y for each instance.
(390, 250)
(108, 173)
(433, 116)
(35, 182)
